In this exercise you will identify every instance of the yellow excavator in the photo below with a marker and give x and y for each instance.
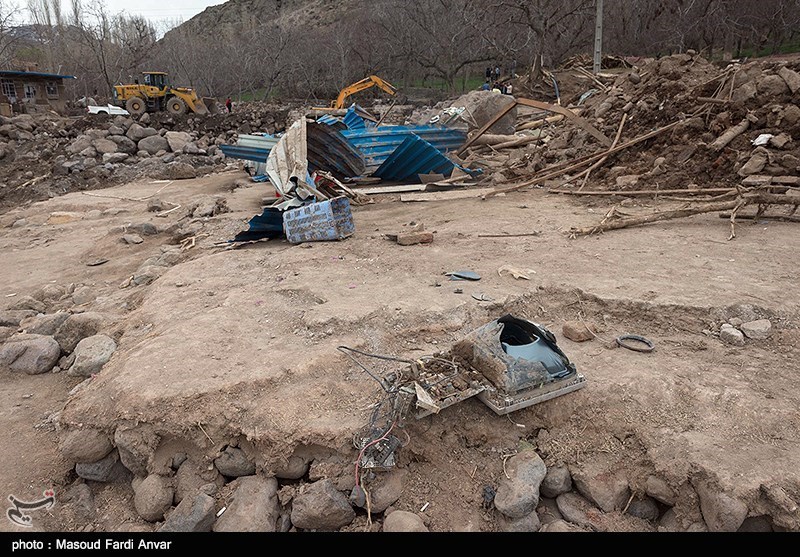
(353, 88)
(155, 94)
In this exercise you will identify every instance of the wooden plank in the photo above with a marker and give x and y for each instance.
(580, 122)
(392, 189)
(445, 195)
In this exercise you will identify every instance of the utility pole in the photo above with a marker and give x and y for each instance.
(598, 37)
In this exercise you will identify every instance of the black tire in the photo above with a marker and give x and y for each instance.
(176, 106)
(136, 106)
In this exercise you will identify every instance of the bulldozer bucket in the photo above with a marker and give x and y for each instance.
(211, 105)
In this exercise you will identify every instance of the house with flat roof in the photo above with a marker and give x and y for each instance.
(23, 91)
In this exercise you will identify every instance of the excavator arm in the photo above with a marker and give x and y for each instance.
(366, 83)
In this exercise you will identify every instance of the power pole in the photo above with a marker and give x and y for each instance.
(598, 37)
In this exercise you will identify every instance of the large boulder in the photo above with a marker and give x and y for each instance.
(193, 514)
(81, 143)
(31, 354)
(608, 489)
(152, 497)
(124, 144)
(91, 354)
(78, 327)
(518, 494)
(254, 508)
(136, 447)
(179, 171)
(85, 445)
(234, 463)
(137, 133)
(153, 144)
(321, 507)
(177, 140)
(403, 521)
(104, 146)
(484, 105)
(44, 324)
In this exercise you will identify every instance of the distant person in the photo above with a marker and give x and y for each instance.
(229, 104)
(514, 68)
(485, 86)
(497, 73)
(488, 74)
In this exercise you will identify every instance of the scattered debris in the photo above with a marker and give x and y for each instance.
(516, 273)
(463, 275)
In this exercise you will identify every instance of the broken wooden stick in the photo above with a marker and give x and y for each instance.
(734, 206)
(783, 218)
(599, 163)
(712, 100)
(732, 133)
(636, 193)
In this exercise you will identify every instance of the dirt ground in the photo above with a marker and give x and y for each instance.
(239, 346)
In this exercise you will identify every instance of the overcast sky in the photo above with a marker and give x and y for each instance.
(157, 11)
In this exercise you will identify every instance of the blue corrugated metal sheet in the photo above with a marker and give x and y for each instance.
(251, 147)
(376, 144)
(353, 120)
(414, 156)
(328, 119)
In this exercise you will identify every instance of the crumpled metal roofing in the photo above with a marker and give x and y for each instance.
(328, 150)
(413, 157)
(377, 144)
(251, 147)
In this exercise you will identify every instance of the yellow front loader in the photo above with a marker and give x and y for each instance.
(155, 94)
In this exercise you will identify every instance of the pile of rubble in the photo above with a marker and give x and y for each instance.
(46, 155)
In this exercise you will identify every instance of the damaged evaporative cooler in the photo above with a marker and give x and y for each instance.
(509, 363)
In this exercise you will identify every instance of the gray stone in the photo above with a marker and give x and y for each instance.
(65, 362)
(137, 133)
(386, 490)
(756, 524)
(321, 507)
(28, 303)
(195, 514)
(91, 354)
(6, 333)
(132, 239)
(721, 512)
(44, 324)
(152, 497)
(634, 78)
(19, 223)
(577, 509)
(557, 481)
(608, 489)
(758, 160)
(143, 228)
(646, 509)
(561, 526)
(254, 507)
(80, 143)
(731, 335)
(107, 470)
(295, 468)
(78, 327)
(177, 140)
(518, 494)
(191, 477)
(669, 522)
(735, 322)
(745, 92)
(153, 144)
(145, 118)
(179, 171)
(104, 146)
(85, 445)
(791, 114)
(136, 446)
(660, 490)
(31, 354)
(234, 463)
(627, 181)
(115, 130)
(114, 158)
(401, 521)
(12, 318)
(83, 295)
(124, 145)
(147, 274)
(780, 141)
(772, 86)
(791, 77)
(529, 523)
(548, 510)
(757, 330)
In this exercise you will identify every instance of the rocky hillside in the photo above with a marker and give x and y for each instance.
(236, 15)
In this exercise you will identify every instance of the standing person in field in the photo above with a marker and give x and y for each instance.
(229, 104)
(488, 73)
(497, 73)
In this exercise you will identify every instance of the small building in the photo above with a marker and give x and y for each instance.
(31, 91)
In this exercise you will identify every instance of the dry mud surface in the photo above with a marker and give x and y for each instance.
(238, 347)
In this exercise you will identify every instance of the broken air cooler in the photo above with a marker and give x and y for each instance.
(509, 363)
